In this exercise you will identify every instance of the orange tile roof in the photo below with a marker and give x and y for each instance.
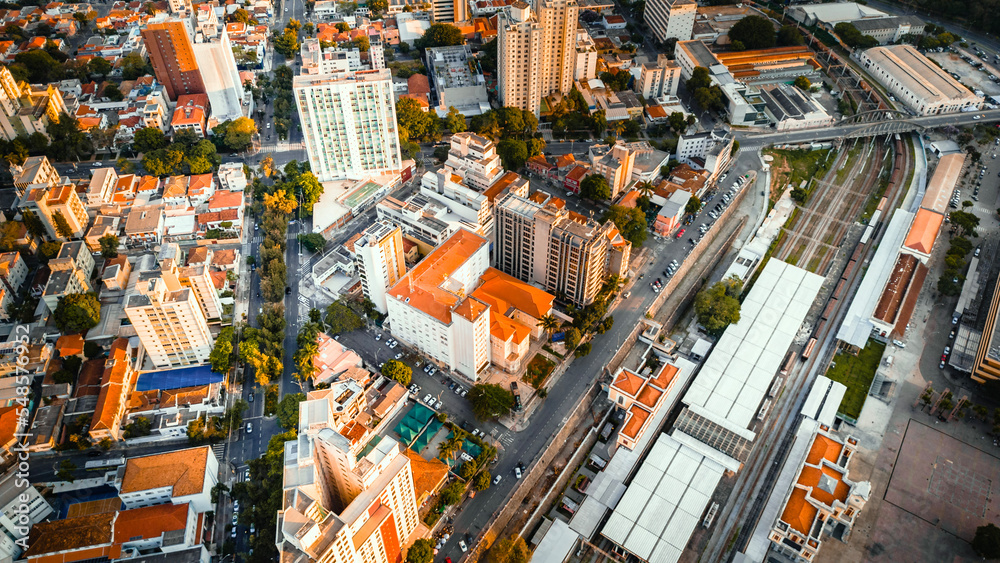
(505, 328)
(88, 383)
(69, 345)
(924, 231)
(428, 475)
(656, 112)
(636, 420)
(496, 189)
(8, 424)
(224, 257)
(798, 513)
(198, 184)
(185, 396)
(183, 470)
(577, 173)
(649, 396)
(225, 199)
(418, 84)
(149, 183)
(219, 279)
(197, 255)
(143, 400)
(470, 308)
(629, 383)
(503, 292)
(88, 123)
(630, 199)
(565, 160)
(822, 448)
(150, 522)
(350, 242)
(175, 186)
(423, 284)
(665, 377)
(74, 534)
(109, 401)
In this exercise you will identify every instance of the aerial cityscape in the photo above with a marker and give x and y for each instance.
(559, 281)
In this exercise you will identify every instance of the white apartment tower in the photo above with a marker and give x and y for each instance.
(660, 79)
(338, 508)
(380, 260)
(169, 322)
(214, 55)
(432, 309)
(474, 159)
(349, 123)
(536, 52)
(671, 18)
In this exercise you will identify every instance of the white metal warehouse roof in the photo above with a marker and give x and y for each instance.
(664, 503)
(738, 373)
(857, 326)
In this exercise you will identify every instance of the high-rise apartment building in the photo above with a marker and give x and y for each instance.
(615, 162)
(539, 241)
(586, 56)
(36, 172)
(671, 18)
(660, 79)
(59, 208)
(449, 11)
(349, 123)
(380, 260)
(25, 110)
(214, 55)
(474, 159)
(432, 308)
(339, 507)
(171, 53)
(198, 278)
(536, 52)
(169, 321)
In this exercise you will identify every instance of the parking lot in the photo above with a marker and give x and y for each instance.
(968, 74)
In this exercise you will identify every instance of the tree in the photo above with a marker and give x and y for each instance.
(112, 93)
(718, 306)
(310, 189)
(236, 135)
(280, 201)
(677, 123)
(288, 410)
(149, 139)
(452, 493)
(287, 42)
(109, 246)
(66, 469)
(92, 350)
(986, 544)
(240, 16)
(99, 66)
(140, 426)
(313, 242)
(490, 400)
(550, 323)
(133, 66)
(221, 356)
(77, 312)
(341, 318)
(362, 43)
(40, 65)
(163, 162)
(595, 188)
(631, 223)
(62, 225)
(422, 550)
(755, 32)
(693, 206)
(789, 36)
(803, 83)
(513, 153)
(852, 37)
(415, 124)
(573, 337)
(482, 481)
(454, 121)
(510, 549)
(966, 223)
(398, 371)
(440, 35)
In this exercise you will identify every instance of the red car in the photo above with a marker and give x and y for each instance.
(680, 233)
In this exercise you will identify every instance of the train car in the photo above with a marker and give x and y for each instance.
(840, 288)
(828, 312)
(875, 217)
(849, 269)
(809, 349)
(789, 362)
(867, 235)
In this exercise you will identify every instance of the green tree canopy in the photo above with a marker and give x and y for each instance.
(595, 187)
(112, 93)
(452, 493)
(490, 400)
(631, 223)
(482, 481)
(718, 306)
(511, 549)
(789, 36)
(288, 410)
(398, 371)
(986, 544)
(77, 312)
(99, 66)
(755, 32)
(422, 551)
(440, 35)
(313, 242)
(221, 357)
(852, 37)
(803, 83)
(414, 123)
(235, 135)
(149, 139)
(109, 246)
(310, 189)
(513, 153)
(341, 318)
(454, 121)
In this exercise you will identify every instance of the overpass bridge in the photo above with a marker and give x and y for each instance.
(871, 124)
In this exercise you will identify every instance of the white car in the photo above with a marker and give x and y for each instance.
(517, 472)
(496, 479)
(398, 356)
(249, 428)
(462, 546)
(378, 337)
(438, 406)
(429, 399)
